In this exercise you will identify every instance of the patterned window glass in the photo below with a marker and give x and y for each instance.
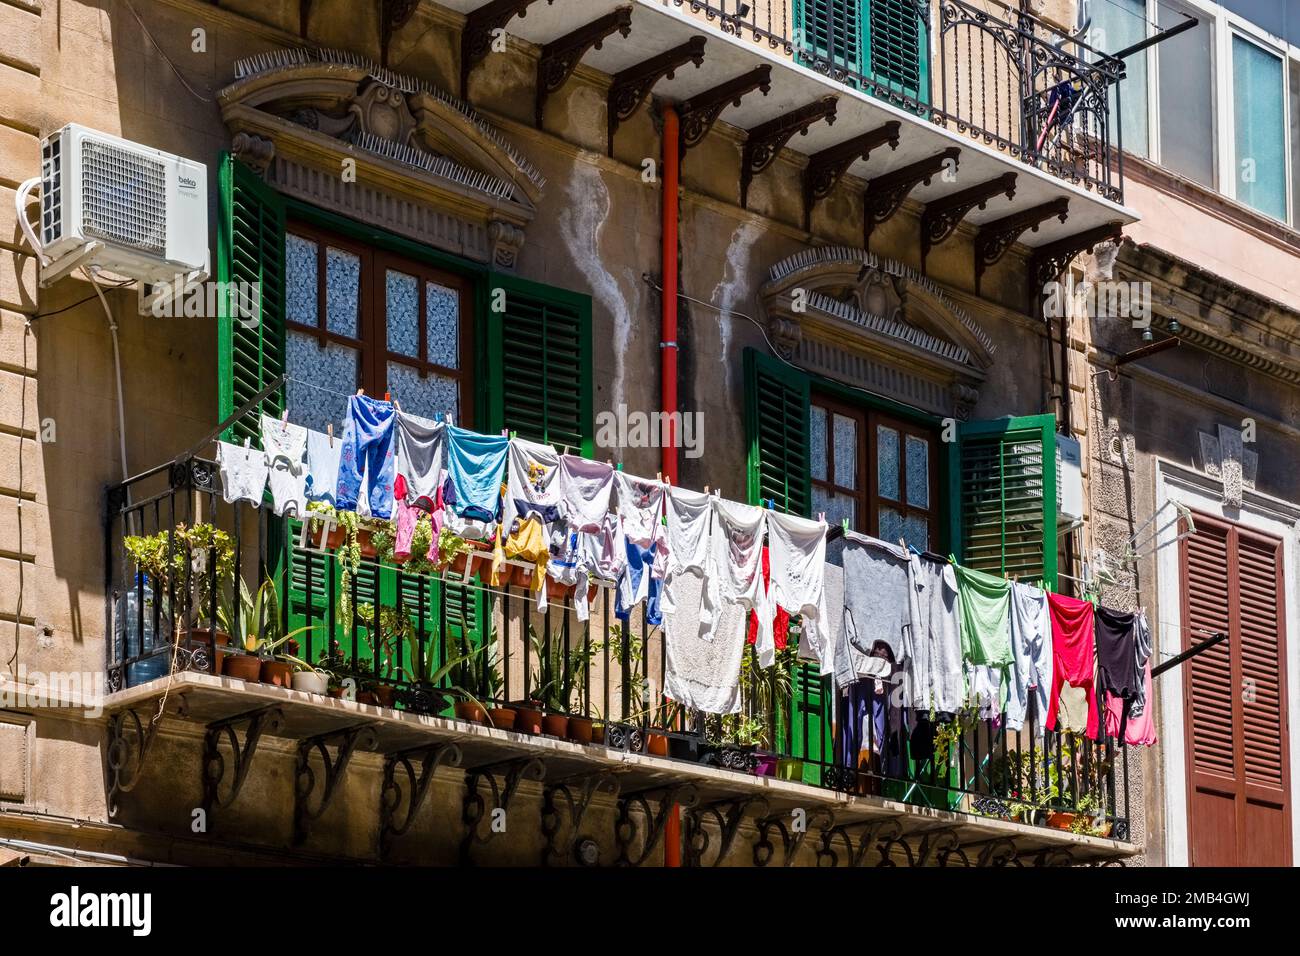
(846, 452)
(320, 380)
(887, 465)
(837, 507)
(402, 295)
(432, 396)
(442, 319)
(817, 441)
(300, 281)
(918, 472)
(342, 291)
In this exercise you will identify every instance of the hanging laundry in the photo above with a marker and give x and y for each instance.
(638, 583)
(367, 456)
(987, 694)
(797, 550)
(587, 558)
(780, 616)
(876, 592)
(532, 482)
(688, 516)
(1073, 711)
(285, 445)
(1142, 649)
(405, 517)
(938, 678)
(702, 662)
(1073, 657)
(585, 489)
(640, 504)
(243, 473)
(322, 467)
(1140, 729)
(734, 574)
(985, 617)
(476, 467)
(850, 665)
(1117, 667)
(1031, 646)
(526, 540)
(420, 457)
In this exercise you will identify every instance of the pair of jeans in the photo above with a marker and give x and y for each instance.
(367, 452)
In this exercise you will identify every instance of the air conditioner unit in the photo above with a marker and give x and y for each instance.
(1069, 481)
(122, 207)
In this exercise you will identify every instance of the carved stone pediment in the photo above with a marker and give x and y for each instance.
(875, 323)
(306, 116)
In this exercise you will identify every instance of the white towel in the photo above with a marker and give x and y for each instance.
(689, 516)
(735, 571)
(797, 562)
(285, 445)
(243, 473)
(585, 488)
(702, 666)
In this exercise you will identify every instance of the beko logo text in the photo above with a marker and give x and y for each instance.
(186, 183)
(75, 909)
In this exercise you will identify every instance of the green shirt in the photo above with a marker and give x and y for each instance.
(985, 617)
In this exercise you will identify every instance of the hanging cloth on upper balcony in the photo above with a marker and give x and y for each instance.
(638, 583)
(702, 662)
(583, 559)
(876, 594)
(367, 456)
(322, 467)
(476, 465)
(1031, 645)
(1139, 729)
(525, 539)
(688, 520)
(734, 574)
(797, 550)
(407, 515)
(285, 445)
(985, 617)
(420, 457)
(243, 473)
(532, 482)
(1073, 656)
(1142, 648)
(938, 678)
(585, 489)
(1117, 661)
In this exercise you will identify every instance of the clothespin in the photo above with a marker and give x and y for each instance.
(619, 466)
(821, 516)
(329, 430)
(247, 441)
(566, 449)
(844, 525)
(706, 489)
(447, 418)
(514, 434)
(360, 392)
(397, 405)
(505, 433)
(902, 544)
(388, 396)
(284, 414)
(659, 476)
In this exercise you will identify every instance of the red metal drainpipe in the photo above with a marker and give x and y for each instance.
(668, 374)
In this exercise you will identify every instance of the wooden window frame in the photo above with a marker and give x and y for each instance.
(372, 329)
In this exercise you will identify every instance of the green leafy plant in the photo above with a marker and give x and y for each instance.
(257, 620)
(167, 559)
(349, 558)
(557, 676)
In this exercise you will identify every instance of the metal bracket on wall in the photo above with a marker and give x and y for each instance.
(683, 795)
(877, 835)
(631, 86)
(392, 794)
(576, 847)
(129, 743)
(996, 237)
(792, 836)
(942, 216)
(345, 742)
(700, 112)
(765, 141)
(476, 37)
(885, 194)
(475, 808)
(728, 816)
(1049, 261)
(561, 56)
(827, 167)
(268, 720)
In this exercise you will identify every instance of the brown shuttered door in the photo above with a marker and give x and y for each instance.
(1238, 797)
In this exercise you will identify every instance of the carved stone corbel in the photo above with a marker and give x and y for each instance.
(255, 152)
(506, 240)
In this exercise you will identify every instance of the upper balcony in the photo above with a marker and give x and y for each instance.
(993, 115)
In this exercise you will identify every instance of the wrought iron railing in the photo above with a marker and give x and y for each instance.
(997, 74)
(444, 642)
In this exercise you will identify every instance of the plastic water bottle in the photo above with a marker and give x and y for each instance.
(130, 639)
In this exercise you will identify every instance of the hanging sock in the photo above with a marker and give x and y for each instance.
(688, 521)
(367, 456)
(285, 445)
(243, 473)
(420, 455)
(585, 489)
(1073, 657)
(1031, 646)
(322, 467)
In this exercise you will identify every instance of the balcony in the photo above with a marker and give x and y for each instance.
(1011, 94)
(438, 674)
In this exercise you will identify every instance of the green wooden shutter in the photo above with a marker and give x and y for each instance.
(1001, 519)
(250, 248)
(539, 380)
(777, 397)
(897, 44)
(830, 32)
(776, 417)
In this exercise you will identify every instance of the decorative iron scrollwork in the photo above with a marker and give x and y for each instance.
(345, 742)
(475, 808)
(269, 720)
(129, 743)
(879, 835)
(561, 56)
(392, 793)
(626, 829)
(792, 837)
(631, 86)
(727, 815)
(583, 850)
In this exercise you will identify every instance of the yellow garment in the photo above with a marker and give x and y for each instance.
(527, 541)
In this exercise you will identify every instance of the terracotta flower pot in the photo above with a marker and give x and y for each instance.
(385, 694)
(468, 710)
(521, 577)
(581, 729)
(598, 733)
(365, 541)
(1060, 821)
(277, 673)
(528, 720)
(245, 667)
(335, 537)
(336, 692)
(555, 725)
(502, 718)
(656, 744)
(557, 590)
(457, 566)
(310, 682)
(367, 697)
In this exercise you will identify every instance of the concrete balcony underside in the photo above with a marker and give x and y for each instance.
(658, 26)
(735, 811)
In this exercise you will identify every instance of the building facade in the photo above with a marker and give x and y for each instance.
(844, 250)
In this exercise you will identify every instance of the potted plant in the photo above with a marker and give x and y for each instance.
(558, 675)
(258, 622)
(475, 672)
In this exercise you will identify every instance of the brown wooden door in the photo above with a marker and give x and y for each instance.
(1239, 808)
